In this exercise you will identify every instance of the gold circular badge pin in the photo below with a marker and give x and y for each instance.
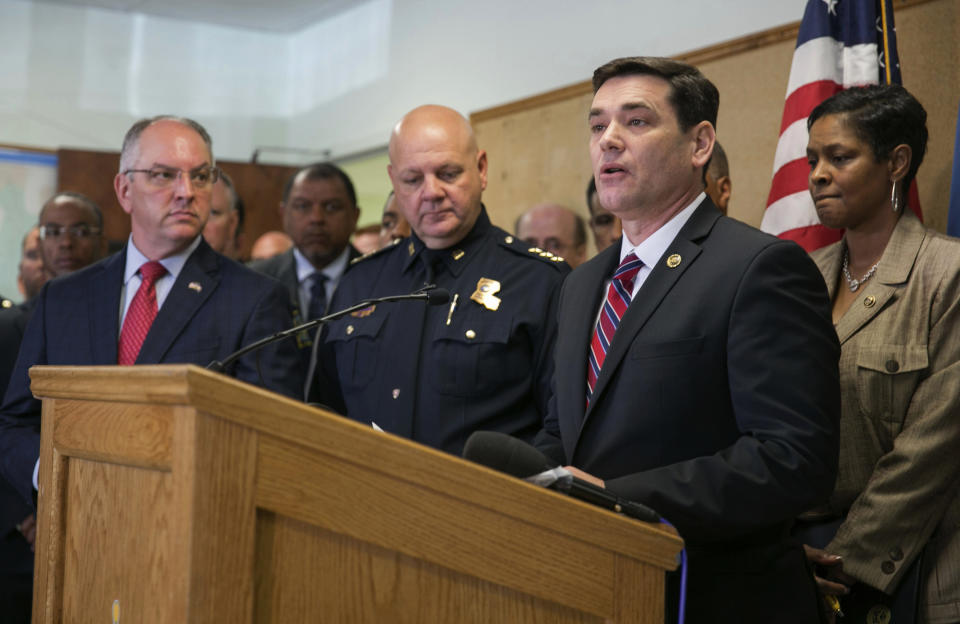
(869, 301)
(673, 261)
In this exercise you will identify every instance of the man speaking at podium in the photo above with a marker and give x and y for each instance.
(696, 363)
(167, 297)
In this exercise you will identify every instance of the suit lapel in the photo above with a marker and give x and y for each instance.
(288, 276)
(660, 281)
(583, 294)
(104, 308)
(195, 284)
(893, 270)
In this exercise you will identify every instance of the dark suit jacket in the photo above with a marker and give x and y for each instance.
(215, 307)
(13, 324)
(15, 555)
(717, 405)
(283, 268)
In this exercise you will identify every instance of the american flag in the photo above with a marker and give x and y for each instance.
(841, 44)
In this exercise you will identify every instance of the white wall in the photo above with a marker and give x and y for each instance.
(78, 77)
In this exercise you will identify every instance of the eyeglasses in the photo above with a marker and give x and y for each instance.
(165, 177)
(81, 230)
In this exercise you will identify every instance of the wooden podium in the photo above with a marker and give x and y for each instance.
(172, 494)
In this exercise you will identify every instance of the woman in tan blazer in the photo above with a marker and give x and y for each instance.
(895, 287)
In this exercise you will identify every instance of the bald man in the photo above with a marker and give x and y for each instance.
(270, 244)
(556, 229)
(483, 361)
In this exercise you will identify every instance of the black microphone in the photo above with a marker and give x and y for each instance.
(515, 457)
(429, 293)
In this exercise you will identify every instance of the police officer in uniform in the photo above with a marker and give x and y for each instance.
(484, 360)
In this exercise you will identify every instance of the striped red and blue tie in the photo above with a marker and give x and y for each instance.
(618, 298)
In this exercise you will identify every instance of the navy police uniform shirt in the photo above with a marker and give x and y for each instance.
(436, 374)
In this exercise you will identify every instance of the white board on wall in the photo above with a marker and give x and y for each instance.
(27, 179)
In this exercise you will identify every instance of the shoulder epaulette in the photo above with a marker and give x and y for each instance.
(376, 252)
(524, 249)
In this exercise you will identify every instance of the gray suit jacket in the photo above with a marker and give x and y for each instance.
(899, 473)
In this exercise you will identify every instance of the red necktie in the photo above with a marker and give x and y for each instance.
(618, 298)
(140, 314)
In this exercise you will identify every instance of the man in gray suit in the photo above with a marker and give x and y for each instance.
(320, 212)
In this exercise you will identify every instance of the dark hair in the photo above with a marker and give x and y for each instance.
(579, 230)
(719, 167)
(693, 97)
(237, 201)
(882, 116)
(132, 139)
(78, 198)
(321, 171)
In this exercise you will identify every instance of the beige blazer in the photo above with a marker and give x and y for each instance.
(899, 474)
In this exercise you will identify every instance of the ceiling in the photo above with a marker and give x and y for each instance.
(281, 16)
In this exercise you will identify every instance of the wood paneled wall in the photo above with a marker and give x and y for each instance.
(537, 147)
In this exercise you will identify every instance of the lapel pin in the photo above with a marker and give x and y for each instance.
(410, 249)
(673, 261)
(195, 286)
(458, 254)
(869, 301)
(484, 294)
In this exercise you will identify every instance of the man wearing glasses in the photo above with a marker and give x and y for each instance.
(166, 297)
(69, 231)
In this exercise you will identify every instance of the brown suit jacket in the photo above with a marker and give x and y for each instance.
(899, 477)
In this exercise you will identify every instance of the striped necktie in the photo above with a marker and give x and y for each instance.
(618, 298)
(318, 296)
(140, 314)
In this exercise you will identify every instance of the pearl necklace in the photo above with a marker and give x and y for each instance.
(854, 284)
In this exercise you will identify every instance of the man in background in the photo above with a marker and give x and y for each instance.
(436, 374)
(270, 244)
(69, 236)
(367, 239)
(393, 225)
(31, 274)
(224, 229)
(320, 213)
(604, 224)
(556, 229)
(719, 183)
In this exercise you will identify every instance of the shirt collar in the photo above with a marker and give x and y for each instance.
(332, 271)
(173, 264)
(654, 246)
(457, 256)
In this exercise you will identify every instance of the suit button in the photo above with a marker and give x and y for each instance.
(896, 554)
(887, 567)
(892, 366)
